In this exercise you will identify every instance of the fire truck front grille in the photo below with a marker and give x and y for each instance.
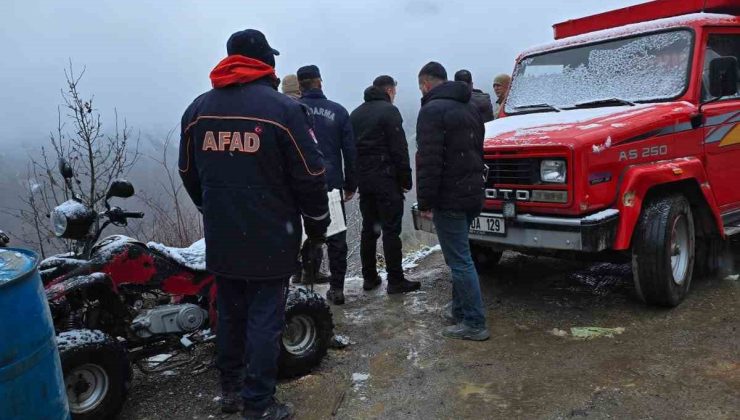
(513, 171)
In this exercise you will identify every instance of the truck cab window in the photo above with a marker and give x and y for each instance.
(720, 45)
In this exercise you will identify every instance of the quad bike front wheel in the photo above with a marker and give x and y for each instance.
(307, 334)
(96, 371)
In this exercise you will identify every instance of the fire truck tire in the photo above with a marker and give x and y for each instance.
(663, 251)
(97, 373)
(308, 331)
(485, 258)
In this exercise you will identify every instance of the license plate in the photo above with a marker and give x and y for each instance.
(484, 225)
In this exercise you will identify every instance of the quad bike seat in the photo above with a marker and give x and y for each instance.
(192, 257)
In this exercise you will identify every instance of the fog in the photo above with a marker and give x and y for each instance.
(150, 59)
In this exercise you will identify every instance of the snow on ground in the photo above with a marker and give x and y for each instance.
(359, 384)
(413, 259)
(360, 377)
(414, 302)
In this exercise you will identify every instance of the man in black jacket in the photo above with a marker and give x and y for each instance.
(449, 185)
(384, 176)
(480, 99)
(249, 161)
(337, 144)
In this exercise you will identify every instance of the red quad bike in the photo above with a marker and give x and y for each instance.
(118, 302)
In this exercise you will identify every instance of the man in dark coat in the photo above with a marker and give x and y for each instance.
(333, 130)
(384, 176)
(249, 161)
(449, 185)
(480, 99)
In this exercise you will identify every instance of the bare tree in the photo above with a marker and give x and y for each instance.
(175, 221)
(96, 157)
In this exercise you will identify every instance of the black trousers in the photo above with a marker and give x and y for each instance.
(251, 317)
(337, 249)
(381, 213)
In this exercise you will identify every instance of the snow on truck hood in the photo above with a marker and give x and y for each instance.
(585, 125)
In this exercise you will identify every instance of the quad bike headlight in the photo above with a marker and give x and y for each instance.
(553, 171)
(58, 222)
(72, 220)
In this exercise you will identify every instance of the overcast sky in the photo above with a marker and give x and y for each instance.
(151, 58)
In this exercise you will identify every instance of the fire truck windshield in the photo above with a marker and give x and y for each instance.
(643, 68)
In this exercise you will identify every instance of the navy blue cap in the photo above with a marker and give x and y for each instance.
(251, 43)
(308, 72)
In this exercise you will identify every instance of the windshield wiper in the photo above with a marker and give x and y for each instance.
(604, 102)
(539, 106)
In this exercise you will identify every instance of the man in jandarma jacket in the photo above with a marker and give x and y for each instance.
(249, 160)
(449, 185)
(337, 144)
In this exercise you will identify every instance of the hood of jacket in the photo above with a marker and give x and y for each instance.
(457, 91)
(236, 69)
(480, 94)
(314, 94)
(374, 93)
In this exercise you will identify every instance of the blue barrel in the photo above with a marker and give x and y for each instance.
(31, 383)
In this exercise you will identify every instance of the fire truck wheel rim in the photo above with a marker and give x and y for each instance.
(680, 249)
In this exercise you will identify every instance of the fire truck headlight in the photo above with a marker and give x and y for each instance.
(552, 171)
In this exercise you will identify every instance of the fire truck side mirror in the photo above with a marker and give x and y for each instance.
(723, 76)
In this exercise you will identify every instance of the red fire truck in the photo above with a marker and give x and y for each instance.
(621, 139)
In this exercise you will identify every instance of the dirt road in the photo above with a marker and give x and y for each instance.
(664, 364)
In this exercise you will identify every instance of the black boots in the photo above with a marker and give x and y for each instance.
(231, 402)
(275, 411)
(371, 283)
(402, 286)
(335, 296)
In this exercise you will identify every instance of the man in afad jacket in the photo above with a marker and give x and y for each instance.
(449, 185)
(250, 163)
(384, 177)
(337, 144)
